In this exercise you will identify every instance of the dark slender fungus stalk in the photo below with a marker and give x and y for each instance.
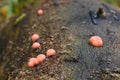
(93, 17)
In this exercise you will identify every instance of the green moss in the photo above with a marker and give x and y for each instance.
(113, 2)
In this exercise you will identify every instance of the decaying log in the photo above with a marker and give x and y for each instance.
(67, 28)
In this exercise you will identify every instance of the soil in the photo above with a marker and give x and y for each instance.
(65, 26)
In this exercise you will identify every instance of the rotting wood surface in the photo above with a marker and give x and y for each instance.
(67, 28)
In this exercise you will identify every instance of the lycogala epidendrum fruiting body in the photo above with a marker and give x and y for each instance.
(35, 37)
(36, 45)
(41, 57)
(40, 11)
(96, 41)
(31, 62)
(50, 52)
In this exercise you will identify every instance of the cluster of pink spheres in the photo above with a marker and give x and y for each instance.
(41, 57)
(34, 38)
(34, 61)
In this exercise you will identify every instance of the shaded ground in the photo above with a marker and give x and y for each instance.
(66, 28)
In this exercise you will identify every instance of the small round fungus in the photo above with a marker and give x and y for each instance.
(50, 52)
(41, 57)
(36, 45)
(30, 64)
(96, 41)
(40, 11)
(35, 37)
(35, 61)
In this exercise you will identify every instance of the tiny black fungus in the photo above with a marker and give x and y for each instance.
(96, 15)
(56, 3)
(101, 13)
(71, 59)
(83, 6)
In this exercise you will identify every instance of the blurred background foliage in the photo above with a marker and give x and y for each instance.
(113, 2)
(9, 8)
(13, 7)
